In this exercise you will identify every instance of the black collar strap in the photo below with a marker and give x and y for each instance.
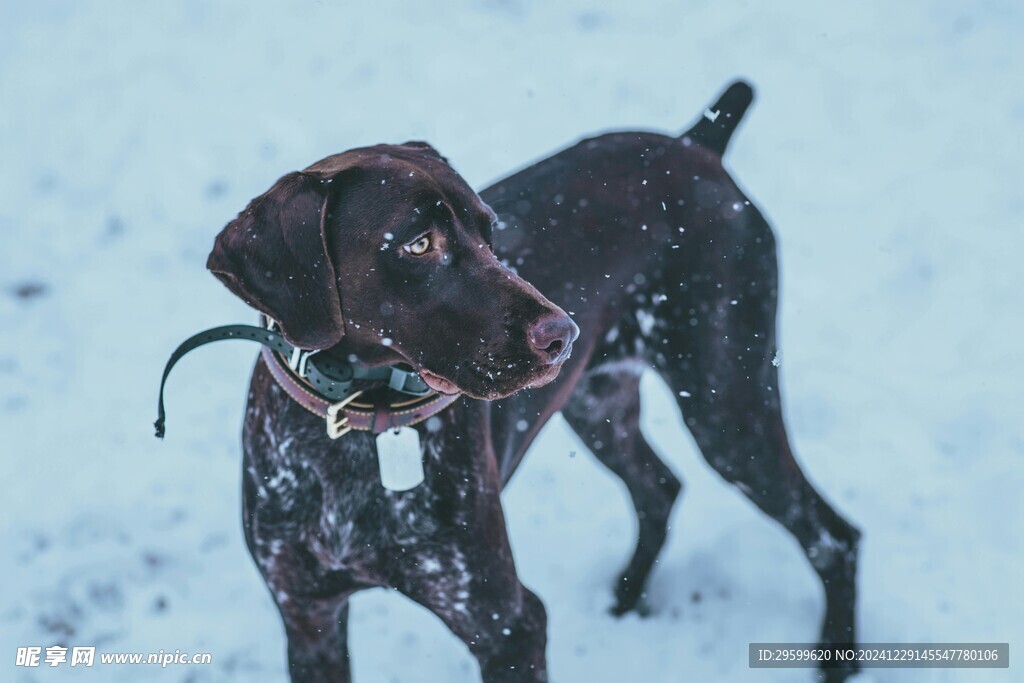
(332, 378)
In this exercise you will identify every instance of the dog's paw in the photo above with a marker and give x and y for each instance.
(641, 608)
(627, 601)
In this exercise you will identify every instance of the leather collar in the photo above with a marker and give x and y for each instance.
(351, 413)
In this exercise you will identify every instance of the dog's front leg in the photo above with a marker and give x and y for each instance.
(459, 565)
(313, 601)
(473, 588)
(317, 632)
(314, 610)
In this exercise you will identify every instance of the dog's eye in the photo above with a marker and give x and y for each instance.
(420, 247)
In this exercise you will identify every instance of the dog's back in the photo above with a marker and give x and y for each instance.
(635, 234)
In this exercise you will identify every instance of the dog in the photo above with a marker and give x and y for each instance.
(385, 257)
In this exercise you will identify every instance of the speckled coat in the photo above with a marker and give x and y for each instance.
(661, 261)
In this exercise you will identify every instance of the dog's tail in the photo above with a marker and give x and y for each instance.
(719, 121)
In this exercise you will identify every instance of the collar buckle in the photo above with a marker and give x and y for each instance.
(338, 427)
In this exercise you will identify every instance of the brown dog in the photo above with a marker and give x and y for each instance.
(384, 256)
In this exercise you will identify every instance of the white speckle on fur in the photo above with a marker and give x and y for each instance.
(646, 321)
(282, 482)
(824, 552)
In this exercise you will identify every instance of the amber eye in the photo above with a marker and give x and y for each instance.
(420, 247)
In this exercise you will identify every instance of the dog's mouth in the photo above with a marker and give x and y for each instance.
(490, 385)
(549, 374)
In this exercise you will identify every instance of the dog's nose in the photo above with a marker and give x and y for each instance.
(552, 336)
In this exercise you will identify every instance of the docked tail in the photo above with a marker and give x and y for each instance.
(717, 124)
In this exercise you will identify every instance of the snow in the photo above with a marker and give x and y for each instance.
(884, 146)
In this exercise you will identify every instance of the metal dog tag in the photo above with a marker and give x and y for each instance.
(400, 459)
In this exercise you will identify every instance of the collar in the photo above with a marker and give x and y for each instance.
(325, 386)
(349, 413)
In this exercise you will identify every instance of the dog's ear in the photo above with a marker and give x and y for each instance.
(274, 257)
(425, 147)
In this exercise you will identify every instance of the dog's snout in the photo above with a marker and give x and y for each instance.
(552, 336)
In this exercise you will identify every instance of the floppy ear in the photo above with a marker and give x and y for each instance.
(274, 257)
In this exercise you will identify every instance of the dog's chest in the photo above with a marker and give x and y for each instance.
(328, 497)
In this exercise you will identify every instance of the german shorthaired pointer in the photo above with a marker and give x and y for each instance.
(384, 257)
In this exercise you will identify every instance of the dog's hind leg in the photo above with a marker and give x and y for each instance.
(740, 431)
(604, 411)
(726, 380)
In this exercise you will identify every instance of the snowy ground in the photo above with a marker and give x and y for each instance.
(885, 146)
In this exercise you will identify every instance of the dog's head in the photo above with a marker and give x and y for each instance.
(384, 252)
